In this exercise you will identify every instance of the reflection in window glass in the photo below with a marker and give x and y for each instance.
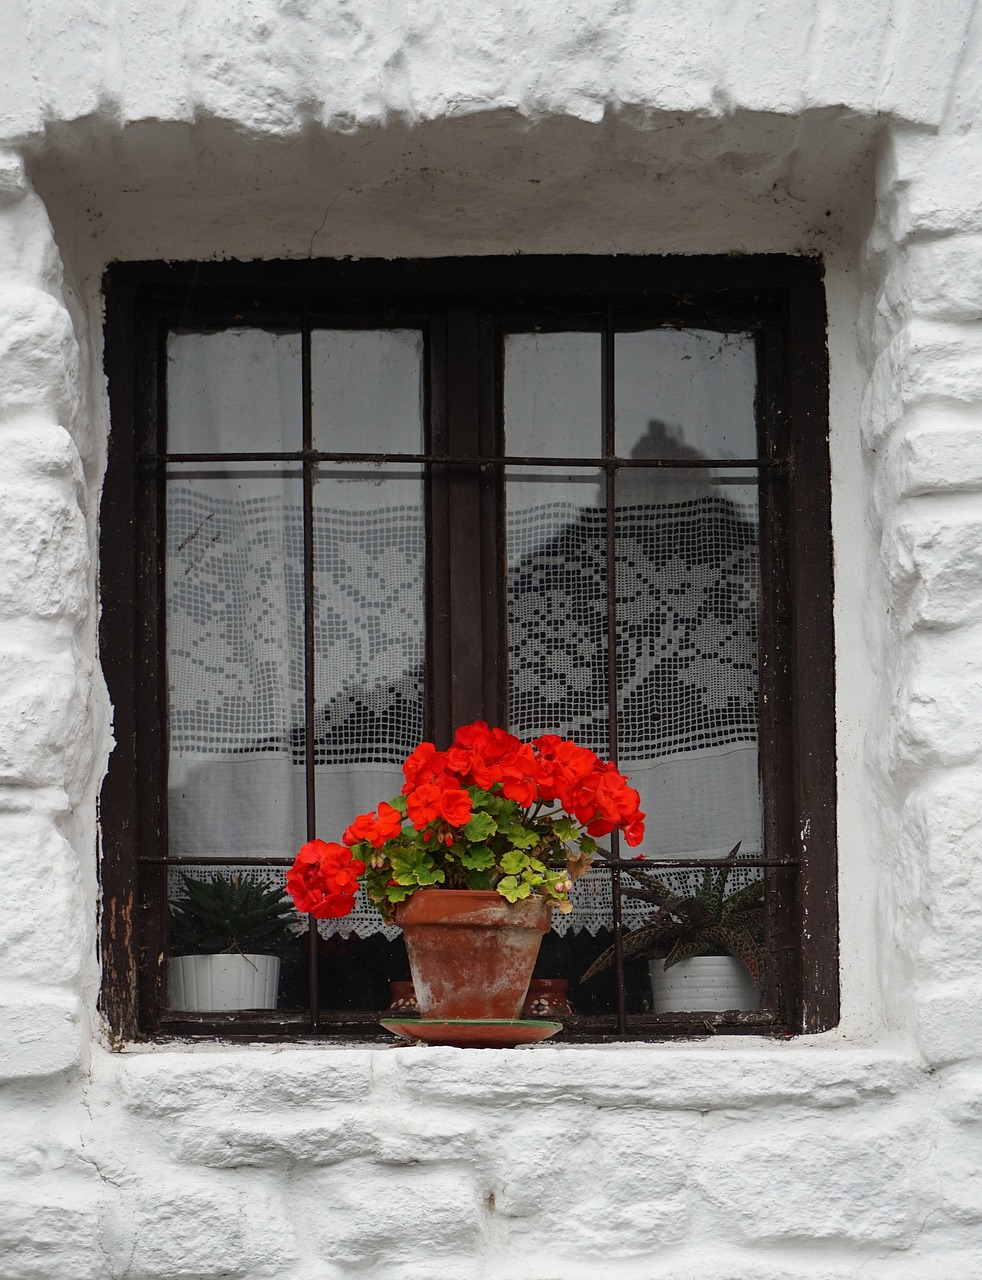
(553, 405)
(237, 391)
(367, 389)
(685, 393)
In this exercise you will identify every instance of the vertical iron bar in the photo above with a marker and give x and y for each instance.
(309, 467)
(609, 452)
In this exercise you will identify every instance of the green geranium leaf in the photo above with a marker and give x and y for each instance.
(513, 889)
(399, 804)
(480, 828)
(588, 845)
(520, 837)
(480, 880)
(514, 862)
(399, 892)
(565, 828)
(414, 867)
(477, 858)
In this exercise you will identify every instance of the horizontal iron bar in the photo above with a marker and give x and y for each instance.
(652, 864)
(628, 864)
(215, 862)
(461, 460)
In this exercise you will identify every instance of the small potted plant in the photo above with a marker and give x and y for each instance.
(465, 861)
(704, 950)
(226, 935)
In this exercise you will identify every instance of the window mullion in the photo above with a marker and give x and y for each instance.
(466, 556)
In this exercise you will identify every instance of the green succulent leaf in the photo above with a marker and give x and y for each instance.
(230, 913)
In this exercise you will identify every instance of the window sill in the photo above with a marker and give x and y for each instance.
(174, 1079)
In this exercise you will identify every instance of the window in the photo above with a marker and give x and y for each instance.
(351, 505)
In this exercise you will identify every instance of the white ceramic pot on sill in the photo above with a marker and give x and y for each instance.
(704, 984)
(222, 982)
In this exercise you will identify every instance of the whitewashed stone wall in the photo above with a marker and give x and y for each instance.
(227, 128)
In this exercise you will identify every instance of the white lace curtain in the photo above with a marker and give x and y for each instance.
(686, 589)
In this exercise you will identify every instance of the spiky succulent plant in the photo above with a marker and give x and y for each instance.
(708, 922)
(229, 913)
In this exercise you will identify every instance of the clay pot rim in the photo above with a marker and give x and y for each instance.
(474, 906)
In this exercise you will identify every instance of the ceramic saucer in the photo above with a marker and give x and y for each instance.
(468, 1033)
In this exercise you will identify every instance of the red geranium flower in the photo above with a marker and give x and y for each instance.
(323, 880)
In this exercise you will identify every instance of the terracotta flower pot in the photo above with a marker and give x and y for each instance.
(547, 998)
(471, 952)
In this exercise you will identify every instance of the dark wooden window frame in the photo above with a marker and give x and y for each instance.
(780, 298)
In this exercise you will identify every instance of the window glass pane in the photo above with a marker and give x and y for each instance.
(238, 391)
(685, 393)
(557, 604)
(688, 584)
(234, 584)
(370, 636)
(553, 406)
(367, 388)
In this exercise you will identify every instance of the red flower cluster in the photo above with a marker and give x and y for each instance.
(376, 828)
(546, 770)
(323, 880)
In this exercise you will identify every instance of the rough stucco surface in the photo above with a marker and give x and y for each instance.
(218, 128)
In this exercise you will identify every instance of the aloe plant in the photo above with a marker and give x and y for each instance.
(229, 913)
(706, 923)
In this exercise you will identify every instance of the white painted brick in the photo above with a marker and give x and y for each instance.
(615, 1188)
(938, 716)
(13, 179)
(862, 28)
(940, 850)
(170, 1231)
(368, 1214)
(55, 1235)
(40, 1032)
(38, 354)
(44, 730)
(933, 555)
(51, 941)
(917, 72)
(799, 1180)
(263, 1139)
(45, 549)
(958, 1158)
(775, 76)
(21, 100)
(657, 1076)
(931, 184)
(70, 59)
(171, 1083)
(938, 278)
(925, 361)
(937, 448)
(949, 1020)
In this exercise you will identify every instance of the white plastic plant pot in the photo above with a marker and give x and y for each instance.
(211, 983)
(704, 984)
